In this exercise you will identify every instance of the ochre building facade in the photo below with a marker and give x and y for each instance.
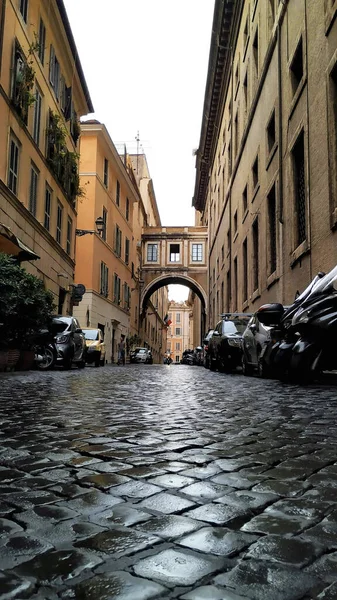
(42, 95)
(266, 180)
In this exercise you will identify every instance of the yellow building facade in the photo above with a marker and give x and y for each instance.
(42, 95)
(267, 158)
(180, 331)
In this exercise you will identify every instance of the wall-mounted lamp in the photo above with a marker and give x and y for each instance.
(100, 225)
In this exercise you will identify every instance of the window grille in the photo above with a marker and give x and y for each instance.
(272, 230)
(299, 184)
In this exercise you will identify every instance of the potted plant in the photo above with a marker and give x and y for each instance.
(25, 308)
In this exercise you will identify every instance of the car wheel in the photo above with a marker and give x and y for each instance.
(67, 364)
(246, 368)
(98, 361)
(81, 364)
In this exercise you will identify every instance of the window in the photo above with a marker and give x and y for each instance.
(332, 140)
(237, 77)
(34, 177)
(299, 189)
(54, 72)
(104, 284)
(152, 252)
(296, 67)
(117, 289)
(127, 251)
(244, 200)
(13, 168)
(178, 317)
(177, 358)
(69, 234)
(222, 298)
(245, 93)
(236, 135)
(229, 291)
(196, 252)
(47, 207)
(106, 172)
(59, 222)
(271, 15)
(178, 346)
(255, 172)
(118, 193)
(245, 271)
(126, 296)
(42, 41)
(256, 57)
(22, 82)
(255, 255)
(222, 253)
(246, 35)
(272, 259)
(271, 132)
(174, 252)
(235, 284)
(127, 209)
(235, 222)
(105, 221)
(118, 241)
(178, 331)
(229, 156)
(24, 9)
(37, 116)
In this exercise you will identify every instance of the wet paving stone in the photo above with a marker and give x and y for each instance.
(135, 489)
(46, 514)
(218, 514)
(292, 551)
(12, 586)
(143, 472)
(19, 548)
(202, 472)
(282, 488)
(329, 593)
(121, 514)
(325, 568)
(172, 481)
(170, 526)
(211, 592)
(8, 527)
(57, 567)
(269, 523)
(118, 585)
(63, 534)
(89, 503)
(118, 542)
(206, 490)
(69, 490)
(238, 480)
(218, 540)
(29, 499)
(261, 581)
(166, 503)
(247, 500)
(104, 481)
(175, 567)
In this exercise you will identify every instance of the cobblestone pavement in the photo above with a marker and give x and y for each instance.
(150, 482)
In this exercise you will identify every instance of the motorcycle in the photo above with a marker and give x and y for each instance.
(277, 355)
(198, 356)
(167, 360)
(45, 353)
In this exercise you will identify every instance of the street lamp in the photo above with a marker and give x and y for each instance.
(100, 225)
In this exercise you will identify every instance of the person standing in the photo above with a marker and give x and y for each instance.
(121, 351)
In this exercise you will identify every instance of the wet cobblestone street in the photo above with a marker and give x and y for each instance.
(150, 482)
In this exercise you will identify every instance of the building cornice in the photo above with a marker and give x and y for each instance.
(218, 67)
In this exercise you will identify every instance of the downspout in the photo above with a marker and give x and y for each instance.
(230, 189)
(307, 154)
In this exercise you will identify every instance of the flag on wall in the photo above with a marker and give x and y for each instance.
(167, 321)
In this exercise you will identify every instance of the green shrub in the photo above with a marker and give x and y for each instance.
(25, 306)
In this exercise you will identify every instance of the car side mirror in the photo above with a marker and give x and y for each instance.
(78, 330)
(253, 327)
(216, 334)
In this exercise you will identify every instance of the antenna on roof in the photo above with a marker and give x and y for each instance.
(137, 138)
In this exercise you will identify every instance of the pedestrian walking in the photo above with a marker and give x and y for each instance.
(121, 351)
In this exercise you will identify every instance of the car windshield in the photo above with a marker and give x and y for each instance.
(58, 326)
(237, 326)
(90, 334)
(142, 351)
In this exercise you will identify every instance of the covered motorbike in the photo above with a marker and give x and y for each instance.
(278, 354)
(44, 350)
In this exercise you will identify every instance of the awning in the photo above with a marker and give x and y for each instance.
(10, 244)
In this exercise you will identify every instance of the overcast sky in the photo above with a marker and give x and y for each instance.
(145, 63)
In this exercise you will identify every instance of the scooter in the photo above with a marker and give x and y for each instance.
(44, 350)
(316, 326)
(278, 353)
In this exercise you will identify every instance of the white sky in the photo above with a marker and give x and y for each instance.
(145, 63)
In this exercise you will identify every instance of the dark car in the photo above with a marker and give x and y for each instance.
(207, 340)
(225, 345)
(70, 342)
(257, 341)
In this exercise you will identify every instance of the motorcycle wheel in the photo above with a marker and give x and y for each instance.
(300, 370)
(246, 368)
(48, 360)
(212, 364)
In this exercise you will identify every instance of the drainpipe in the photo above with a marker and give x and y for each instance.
(308, 138)
(230, 189)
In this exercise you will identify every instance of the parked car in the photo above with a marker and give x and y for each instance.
(206, 344)
(225, 345)
(95, 346)
(141, 355)
(255, 340)
(69, 341)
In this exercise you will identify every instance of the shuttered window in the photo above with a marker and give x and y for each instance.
(34, 177)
